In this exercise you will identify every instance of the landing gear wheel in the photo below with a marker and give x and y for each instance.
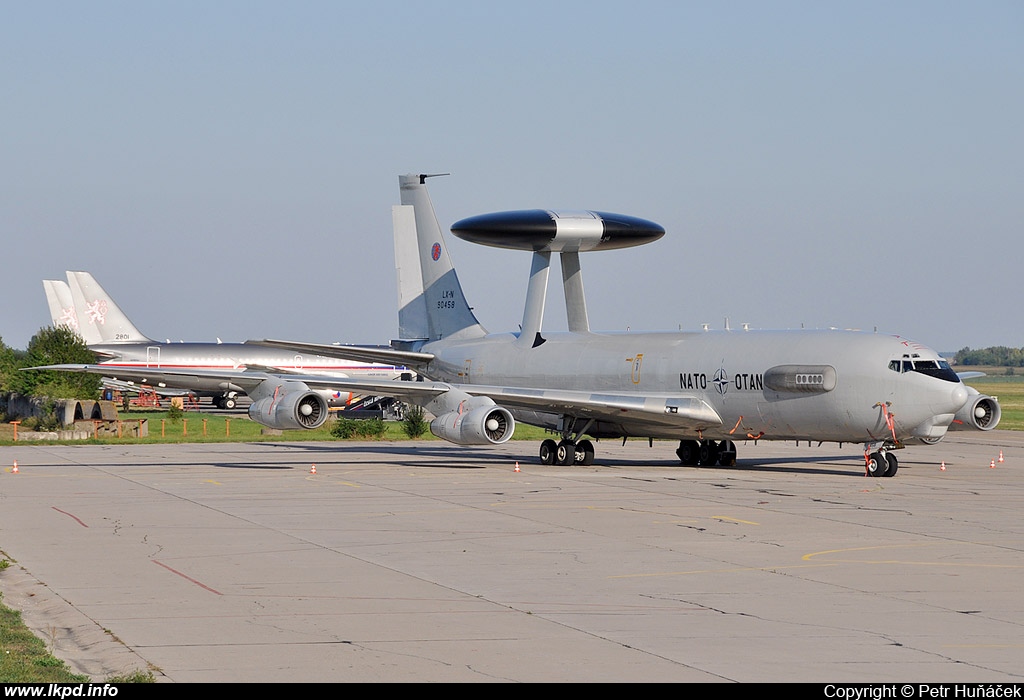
(893, 464)
(708, 453)
(688, 452)
(228, 402)
(547, 452)
(584, 452)
(727, 453)
(565, 453)
(878, 465)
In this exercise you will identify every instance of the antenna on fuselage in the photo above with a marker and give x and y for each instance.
(567, 233)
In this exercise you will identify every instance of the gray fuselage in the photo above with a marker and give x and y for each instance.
(802, 385)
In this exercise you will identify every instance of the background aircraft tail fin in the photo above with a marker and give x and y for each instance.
(431, 302)
(62, 310)
(97, 311)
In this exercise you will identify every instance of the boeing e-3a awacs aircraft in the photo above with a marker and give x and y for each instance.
(84, 305)
(706, 389)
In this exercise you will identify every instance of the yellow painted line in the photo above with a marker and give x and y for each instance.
(959, 565)
(349, 483)
(723, 571)
(558, 504)
(310, 477)
(211, 481)
(808, 557)
(827, 563)
(733, 520)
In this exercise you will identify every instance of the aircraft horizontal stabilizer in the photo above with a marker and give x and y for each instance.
(190, 379)
(131, 387)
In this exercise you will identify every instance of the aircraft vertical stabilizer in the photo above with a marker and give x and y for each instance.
(96, 310)
(440, 295)
(412, 304)
(62, 310)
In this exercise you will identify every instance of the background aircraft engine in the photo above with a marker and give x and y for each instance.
(290, 411)
(486, 425)
(979, 413)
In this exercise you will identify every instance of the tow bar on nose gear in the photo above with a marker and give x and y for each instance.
(890, 419)
(881, 462)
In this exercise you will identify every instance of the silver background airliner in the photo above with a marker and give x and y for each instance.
(84, 305)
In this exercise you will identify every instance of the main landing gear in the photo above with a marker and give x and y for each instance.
(881, 463)
(567, 452)
(703, 453)
(707, 453)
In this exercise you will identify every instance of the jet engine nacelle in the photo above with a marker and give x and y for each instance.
(485, 425)
(981, 412)
(290, 410)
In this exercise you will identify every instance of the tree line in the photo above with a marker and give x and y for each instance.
(50, 346)
(999, 356)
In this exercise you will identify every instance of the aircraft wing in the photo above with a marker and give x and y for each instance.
(969, 375)
(656, 409)
(676, 410)
(405, 358)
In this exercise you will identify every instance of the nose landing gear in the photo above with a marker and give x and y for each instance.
(880, 463)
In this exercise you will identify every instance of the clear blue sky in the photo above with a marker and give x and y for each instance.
(227, 169)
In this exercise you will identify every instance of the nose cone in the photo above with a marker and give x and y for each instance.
(944, 405)
(957, 398)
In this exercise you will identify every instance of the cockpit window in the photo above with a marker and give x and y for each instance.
(939, 369)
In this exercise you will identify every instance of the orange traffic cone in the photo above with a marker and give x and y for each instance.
(943, 467)
(992, 464)
(1000, 456)
(312, 469)
(517, 467)
(14, 469)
